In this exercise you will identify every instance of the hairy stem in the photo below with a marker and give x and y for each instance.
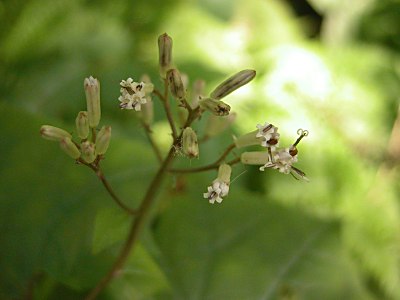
(167, 108)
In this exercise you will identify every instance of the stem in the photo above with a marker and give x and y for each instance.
(143, 211)
(151, 141)
(137, 224)
(214, 165)
(99, 173)
(167, 108)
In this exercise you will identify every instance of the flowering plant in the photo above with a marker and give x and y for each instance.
(91, 143)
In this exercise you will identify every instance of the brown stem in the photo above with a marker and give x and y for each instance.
(99, 173)
(211, 166)
(143, 212)
(137, 224)
(156, 150)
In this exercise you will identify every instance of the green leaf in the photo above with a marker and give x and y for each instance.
(247, 248)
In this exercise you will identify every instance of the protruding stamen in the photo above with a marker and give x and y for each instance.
(302, 134)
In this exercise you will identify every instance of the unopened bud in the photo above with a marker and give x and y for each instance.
(176, 84)
(82, 125)
(103, 140)
(216, 125)
(92, 91)
(224, 173)
(164, 53)
(189, 143)
(70, 148)
(232, 83)
(254, 158)
(52, 133)
(216, 107)
(248, 139)
(88, 152)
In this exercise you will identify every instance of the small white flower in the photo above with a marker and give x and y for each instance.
(133, 94)
(269, 133)
(281, 160)
(216, 191)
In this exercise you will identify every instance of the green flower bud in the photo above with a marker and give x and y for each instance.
(216, 107)
(216, 125)
(70, 148)
(176, 84)
(82, 125)
(232, 83)
(164, 53)
(254, 158)
(224, 173)
(88, 152)
(248, 139)
(92, 91)
(189, 143)
(103, 140)
(52, 133)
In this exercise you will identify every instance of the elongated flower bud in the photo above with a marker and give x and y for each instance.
(70, 148)
(232, 83)
(216, 125)
(164, 53)
(248, 139)
(189, 143)
(82, 125)
(92, 91)
(216, 107)
(103, 140)
(224, 173)
(176, 84)
(254, 158)
(88, 152)
(52, 133)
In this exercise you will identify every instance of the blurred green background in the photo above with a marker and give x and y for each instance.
(329, 66)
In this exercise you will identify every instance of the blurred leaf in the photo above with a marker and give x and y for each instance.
(247, 248)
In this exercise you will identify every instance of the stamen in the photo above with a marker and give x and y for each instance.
(265, 130)
(302, 134)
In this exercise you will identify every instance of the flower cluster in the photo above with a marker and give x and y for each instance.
(281, 159)
(133, 94)
(93, 145)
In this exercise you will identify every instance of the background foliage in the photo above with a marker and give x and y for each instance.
(336, 237)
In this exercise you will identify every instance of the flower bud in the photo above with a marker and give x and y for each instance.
(176, 84)
(92, 91)
(216, 107)
(224, 173)
(103, 140)
(216, 125)
(164, 53)
(88, 152)
(189, 143)
(232, 83)
(248, 139)
(70, 148)
(254, 158)
(52, 133)
(82, 125)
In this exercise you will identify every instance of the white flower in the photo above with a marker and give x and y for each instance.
(133, 94)
(269, 133)
(281, 160)
(216, 191)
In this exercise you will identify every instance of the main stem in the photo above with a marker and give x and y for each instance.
(136, 226)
